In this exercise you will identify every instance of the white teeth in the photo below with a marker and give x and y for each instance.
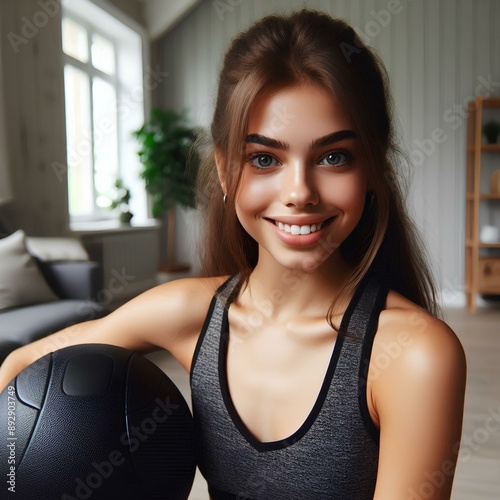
(294, 229)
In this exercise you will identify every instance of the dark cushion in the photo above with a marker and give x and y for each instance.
(27, 324)
(73, 280)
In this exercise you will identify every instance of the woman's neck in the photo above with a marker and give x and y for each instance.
(285, 292)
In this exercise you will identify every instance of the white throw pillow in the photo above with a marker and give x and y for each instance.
(21, 281)
(55, 249)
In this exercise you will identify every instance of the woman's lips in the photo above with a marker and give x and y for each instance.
(300, 234)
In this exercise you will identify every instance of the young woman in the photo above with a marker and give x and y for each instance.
(318, 367)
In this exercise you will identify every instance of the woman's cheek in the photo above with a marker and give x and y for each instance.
(255, 194)
(347, 191)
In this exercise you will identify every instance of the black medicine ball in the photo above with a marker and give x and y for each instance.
(95, 422)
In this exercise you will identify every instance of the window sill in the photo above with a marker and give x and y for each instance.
(112, 227)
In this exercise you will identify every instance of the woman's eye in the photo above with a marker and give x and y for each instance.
(336, 158)
(263, 161)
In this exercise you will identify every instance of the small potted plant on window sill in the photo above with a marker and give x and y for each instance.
(491, 130)
(169, 170)
(121, 202)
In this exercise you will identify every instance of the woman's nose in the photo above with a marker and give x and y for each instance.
(298, 188)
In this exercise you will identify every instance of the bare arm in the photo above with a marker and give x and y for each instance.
(418, 401)
(169, 317)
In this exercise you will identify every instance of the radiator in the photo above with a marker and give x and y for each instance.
(129, 260)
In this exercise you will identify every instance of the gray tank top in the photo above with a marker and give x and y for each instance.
(333, 455)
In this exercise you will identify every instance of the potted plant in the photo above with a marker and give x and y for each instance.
(165, 142)
(491, 130)
(121, 202)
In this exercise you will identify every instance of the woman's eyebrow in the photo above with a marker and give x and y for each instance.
(266, 141)
(332, 138)
(317, 143)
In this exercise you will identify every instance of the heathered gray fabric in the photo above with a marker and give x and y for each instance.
(333, 456)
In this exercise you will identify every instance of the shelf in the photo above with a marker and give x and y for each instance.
(483, 196)
(489, 291)
(482, 272)
(489, 196)
(489, 102)
(487, 148)
(483, 291)
(470, 243)
(490, 147)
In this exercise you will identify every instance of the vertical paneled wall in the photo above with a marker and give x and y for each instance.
(34, 114)
(438, 53)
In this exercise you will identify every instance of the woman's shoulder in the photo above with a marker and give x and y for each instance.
(178, 306)
(413, 353)
(205, 285)
(170, 315)
(187, 294)
(414, 346)
(404, 320)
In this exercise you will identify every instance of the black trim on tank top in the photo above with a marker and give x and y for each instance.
(201, 337)
(206, 323)
(263, 446)
(371, 330)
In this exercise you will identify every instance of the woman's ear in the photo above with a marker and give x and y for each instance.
(221, 172)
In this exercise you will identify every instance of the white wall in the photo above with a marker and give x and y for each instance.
(133, 9)
(438, 54)
(34, 115)
(161, 15)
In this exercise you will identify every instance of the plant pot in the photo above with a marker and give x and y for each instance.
(491, 138)
(490, 131)
(126, 217)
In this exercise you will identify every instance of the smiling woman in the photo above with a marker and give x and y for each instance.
(305, 176)
(353, 86)
(305, 210)
(314, 273)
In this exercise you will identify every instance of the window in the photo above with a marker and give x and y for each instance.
(104, 104)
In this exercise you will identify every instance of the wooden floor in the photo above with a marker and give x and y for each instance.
(478, 471)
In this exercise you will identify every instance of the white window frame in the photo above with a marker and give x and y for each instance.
(133, 102)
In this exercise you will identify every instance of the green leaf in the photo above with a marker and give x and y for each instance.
(164, 145)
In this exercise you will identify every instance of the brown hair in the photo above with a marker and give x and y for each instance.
(283, 51)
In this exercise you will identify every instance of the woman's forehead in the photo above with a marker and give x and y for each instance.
(302, 113)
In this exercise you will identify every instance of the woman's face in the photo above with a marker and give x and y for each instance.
(302, 189)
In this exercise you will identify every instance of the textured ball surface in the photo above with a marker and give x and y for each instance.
(95, 421)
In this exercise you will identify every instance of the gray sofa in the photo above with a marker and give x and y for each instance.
(76, 284)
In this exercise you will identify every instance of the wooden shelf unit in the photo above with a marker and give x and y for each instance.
(482, 273)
